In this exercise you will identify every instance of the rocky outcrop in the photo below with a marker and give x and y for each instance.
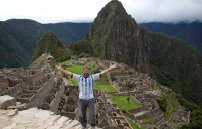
(116, 36)
(49, 43)
(36, 88)
(6, 101)
(34, 118)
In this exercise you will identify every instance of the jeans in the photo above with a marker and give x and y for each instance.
(90, 104)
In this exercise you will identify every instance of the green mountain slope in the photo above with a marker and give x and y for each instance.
(190, 32)
(17, 40)
(11, 52)
(23, 34)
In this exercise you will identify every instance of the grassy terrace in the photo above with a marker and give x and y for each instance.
(146, 119)
(122, 102)
(171, 106)
(133, 124)
(107, 88)
(77, 69)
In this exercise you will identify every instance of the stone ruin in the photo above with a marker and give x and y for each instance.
(37, 87)
(40, 86)
(144, 93)
(107, 113)
(34, 118)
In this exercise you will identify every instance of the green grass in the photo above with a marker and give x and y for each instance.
(146, 119)
(74, 82)
(77, 69)
(133, 124)
(108, 88)
(103, 80)
(122, 102)
(171, 106)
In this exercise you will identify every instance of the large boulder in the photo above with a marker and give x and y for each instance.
(6, 101)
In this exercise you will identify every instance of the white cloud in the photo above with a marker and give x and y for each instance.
(47, 11)
(165, 10)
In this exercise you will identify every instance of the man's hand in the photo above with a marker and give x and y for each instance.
(113, 66)
(58, 67)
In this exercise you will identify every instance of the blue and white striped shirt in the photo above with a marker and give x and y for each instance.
(86, 85)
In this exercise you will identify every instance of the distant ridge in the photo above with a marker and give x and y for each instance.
(189, 32)
(18, 38)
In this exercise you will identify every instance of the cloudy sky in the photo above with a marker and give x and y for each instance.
(52, 11)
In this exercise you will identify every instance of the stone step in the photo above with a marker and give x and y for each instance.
(34, 118)
(159, 122)
(23, 95)
(23, 100)
(29, 91)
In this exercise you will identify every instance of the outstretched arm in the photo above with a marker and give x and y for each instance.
(59, 68)
(111, 67)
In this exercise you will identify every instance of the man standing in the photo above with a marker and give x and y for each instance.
(86, 97)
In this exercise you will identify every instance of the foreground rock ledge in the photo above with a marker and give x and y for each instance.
(34, 118)
(6, 101)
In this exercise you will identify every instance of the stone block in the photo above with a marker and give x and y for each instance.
(6, 101)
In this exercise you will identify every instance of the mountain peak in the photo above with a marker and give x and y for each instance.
(114, 27)
(114, 4)
(49, 43)
(113, 9)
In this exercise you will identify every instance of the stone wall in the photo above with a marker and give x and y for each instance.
(43, 92)
(55, 103)
(33, 86)
(34, 118)
(14, 91)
